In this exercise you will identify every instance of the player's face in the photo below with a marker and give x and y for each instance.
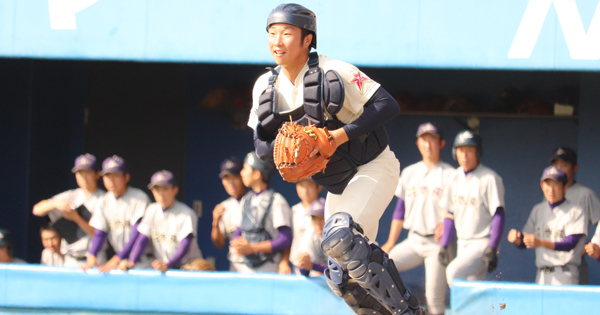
(51, 240)
(569, 169)
(165, 196)
(308, 191)
(87, 180)
(234, 186)
(317, 223)
(248, 175)
(430, 146)
(116, 183)
(286, 44)
(553, 190)
(467, 157)
(4, 257)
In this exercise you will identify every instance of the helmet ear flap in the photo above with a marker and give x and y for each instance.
(454, 153)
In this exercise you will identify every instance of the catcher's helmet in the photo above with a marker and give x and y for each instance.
(7, 240)
(469, 138)
(295, 14)
(266, 168)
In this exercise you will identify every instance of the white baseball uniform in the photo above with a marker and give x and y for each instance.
(302, 226)
(51, 258)
(279, 215)
(116, 216)
(311, 244)
(472, 199)
(75, 253)
(228, 224)
(167, 228)
(370, 191)
(586, 199)
(554, 225)
(422, 189)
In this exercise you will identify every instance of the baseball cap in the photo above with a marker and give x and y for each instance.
(85, 162)
(231, 166)
(554, 173)
(565, 154)
(162, 178)
(430, 128)
(114, 165)
(317, 208)
(6, 238)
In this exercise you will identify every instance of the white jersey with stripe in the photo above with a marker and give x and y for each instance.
(422, 190)
(472, 199)
(77, 197)
(116, 216)
(167, 228)
(358, 89)
(554, 225)
(587, 199)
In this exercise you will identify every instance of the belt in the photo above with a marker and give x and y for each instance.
(427, 235)
(554, 268)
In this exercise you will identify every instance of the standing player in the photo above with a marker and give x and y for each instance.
(566, 159)
(475, 203)
(227, 214)
(311, 260)
(87, 173)
(308, 191)
(172, 225)
(363, 172)
(264, 235)
(556, 228)
(117, 215)
(418, 210)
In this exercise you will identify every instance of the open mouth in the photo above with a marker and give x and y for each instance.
(278, 53)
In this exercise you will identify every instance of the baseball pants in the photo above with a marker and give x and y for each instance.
(468, 264)
(561, 275)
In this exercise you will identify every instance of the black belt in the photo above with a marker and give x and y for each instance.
(428, 235)
(554, 268)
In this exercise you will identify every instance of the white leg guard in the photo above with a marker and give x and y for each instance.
(367, 264)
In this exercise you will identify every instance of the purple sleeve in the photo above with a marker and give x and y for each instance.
(97, 242)
(522, 245)
(237, 233)
(283, 240)
(568, 243)
(132, 238)
(399, 211)
(497, 227)
(182, 250)
(449, 231)
(319, 267)
(138, 248)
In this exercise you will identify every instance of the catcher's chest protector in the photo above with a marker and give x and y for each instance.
(254, 218)
(323, 93)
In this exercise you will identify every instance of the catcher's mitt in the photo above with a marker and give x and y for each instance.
(293, 146)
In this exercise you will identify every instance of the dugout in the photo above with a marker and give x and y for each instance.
(164, 96)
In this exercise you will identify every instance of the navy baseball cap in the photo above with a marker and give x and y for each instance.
(231, 166)
(317, 208)
(554, 173)
(162, 178)
(565, 154)
(114, 165)
(430, 128)
(86, 162)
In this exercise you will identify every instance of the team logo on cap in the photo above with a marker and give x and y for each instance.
(465, 136)
(229, 164)
(160, 176)
(428, 127)
(553, 171)
(112, 163)
(359, 78)
(560, 151)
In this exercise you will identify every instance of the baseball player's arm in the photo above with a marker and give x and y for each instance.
(378, 110)
(216, 234)
(498, 222)
(182, 250)
(132, 239)
(44, 207)
(396, 226)
(138, 249)
(516, 238)
(447, 235)
(592, 248)
(282, 242)
(97, 243)
(284, 264)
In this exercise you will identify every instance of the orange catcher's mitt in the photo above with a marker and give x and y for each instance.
(293, 146)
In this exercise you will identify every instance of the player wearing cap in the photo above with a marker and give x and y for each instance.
(556, 228)
(7, 248)
(117, 215)
(362, 173)
(64, 205)
(419, 210)
(264, 235)
(311, 260)
(170, 224)
(475, 211)
(227, 214)
(566, 159)
(308, 192)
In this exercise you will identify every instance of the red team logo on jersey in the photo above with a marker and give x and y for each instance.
(359, 79)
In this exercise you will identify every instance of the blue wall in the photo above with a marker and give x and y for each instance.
(426, 34)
